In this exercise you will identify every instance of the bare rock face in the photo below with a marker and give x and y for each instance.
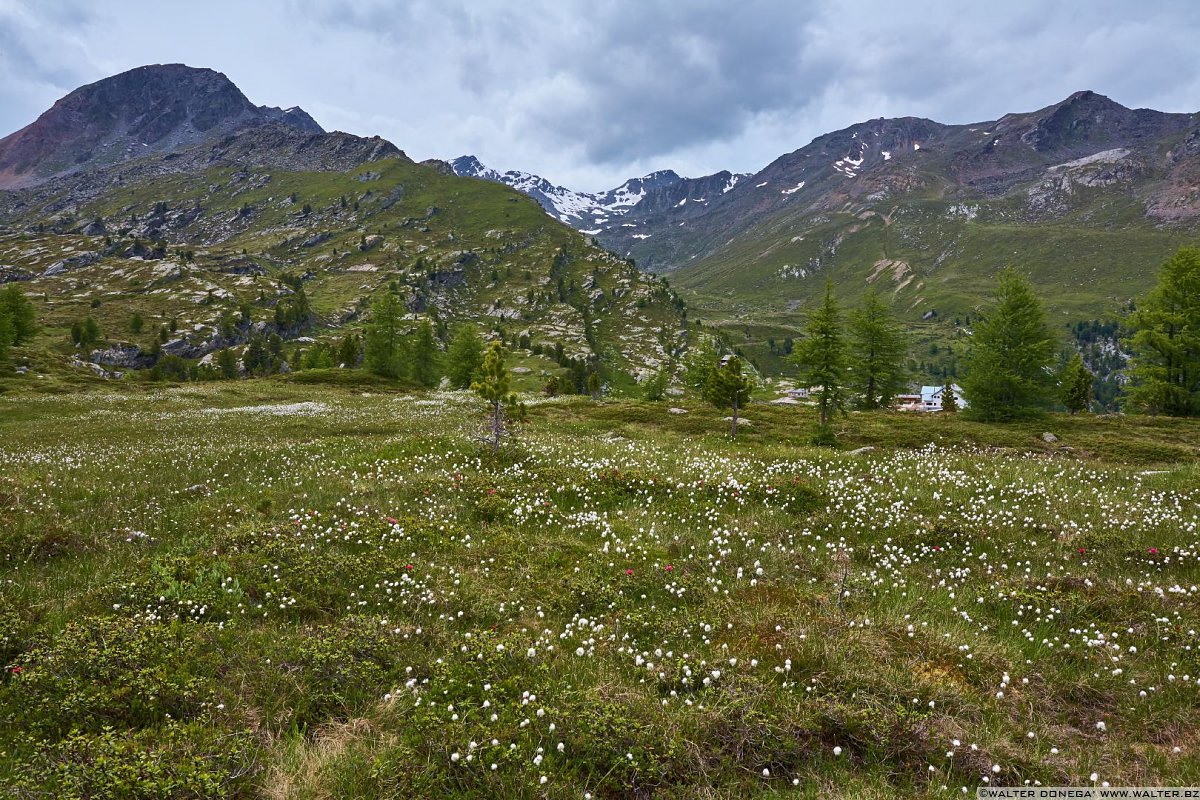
(151, 109)
(127, 356)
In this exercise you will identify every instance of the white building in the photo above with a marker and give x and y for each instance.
(931, 397)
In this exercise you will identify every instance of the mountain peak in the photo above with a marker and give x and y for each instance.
(1086, 121)
(147, 109)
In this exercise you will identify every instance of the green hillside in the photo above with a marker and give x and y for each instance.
(185, 248)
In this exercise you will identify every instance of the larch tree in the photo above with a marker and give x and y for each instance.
(1008, 364)
(1075, 385)
(464, 356)
(699, 361)
(877, 354)
(19, 311)
(1165, 368)
(821, 358)
(383, 348)
(423, 366)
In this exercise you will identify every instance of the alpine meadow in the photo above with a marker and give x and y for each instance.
(870, 469)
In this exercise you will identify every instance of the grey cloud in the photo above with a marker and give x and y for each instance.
(39, 58)
(596, 90)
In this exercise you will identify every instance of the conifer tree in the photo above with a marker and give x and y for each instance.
(699, 362)
(1008, 364)
(7, 334)
(423, 366)
(493, 386)
(949, 398)
(1165, 367)
(464, 356)
(227, 363)
(593, 385)
(1076, 385)
(256, 359)
(729, 387)
(821, 357)
(90, 333)
(348, 351)
(656, 386)
(21, 317)
(383, 350)
(877, 354)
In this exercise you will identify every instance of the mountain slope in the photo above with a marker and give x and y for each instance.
(155, 108)
(1085, 195)
(209, 244)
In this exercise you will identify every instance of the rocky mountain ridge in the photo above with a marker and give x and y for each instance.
(152, 109)
(595, 213)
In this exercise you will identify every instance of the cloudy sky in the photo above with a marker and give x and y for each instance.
(590, 92)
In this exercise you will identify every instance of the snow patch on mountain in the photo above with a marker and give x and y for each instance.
(567, 205)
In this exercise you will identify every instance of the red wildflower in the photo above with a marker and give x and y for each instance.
(628, 572)
(669, 568)
(17, 670)
(1082, 551)
(391, 520)
(408, 566)
(1153, 551)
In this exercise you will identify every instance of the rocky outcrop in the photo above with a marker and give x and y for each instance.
(68, 264)
(126, 356)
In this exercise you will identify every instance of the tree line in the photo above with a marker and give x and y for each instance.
(1010, 367)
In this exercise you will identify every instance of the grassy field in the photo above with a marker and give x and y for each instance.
(273, 589)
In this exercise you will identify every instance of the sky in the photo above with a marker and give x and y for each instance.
(588, 93)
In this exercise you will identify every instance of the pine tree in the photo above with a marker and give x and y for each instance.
(136, 323)
(821, 357)
(1076, 385)
(493, 386)
(729, 387)
(423, 366)
(1008, 365)
(464, 356)
(1165, 368)
(382, 350)
(877, 354)
(593, 385)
